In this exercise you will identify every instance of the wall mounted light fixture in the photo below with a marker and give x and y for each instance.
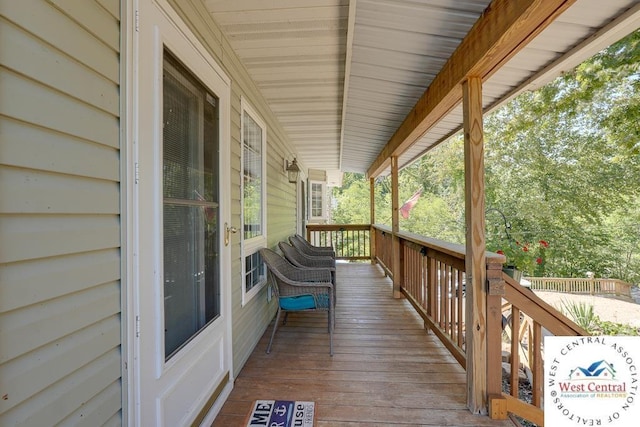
(293, 170)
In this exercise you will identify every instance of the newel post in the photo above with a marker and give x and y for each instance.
(475, 259)
(495, 283)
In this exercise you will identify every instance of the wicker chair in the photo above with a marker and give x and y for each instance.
(307, 248)
(299, 259)
(299, 289)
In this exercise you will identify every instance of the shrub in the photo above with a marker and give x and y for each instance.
(581, 313)
(585, 317)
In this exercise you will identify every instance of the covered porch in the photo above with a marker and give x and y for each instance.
(403, 340)
(333, 86)
(459, 294)
(386, 369)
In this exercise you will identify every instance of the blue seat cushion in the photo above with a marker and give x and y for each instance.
(304, 302)
(298, 302)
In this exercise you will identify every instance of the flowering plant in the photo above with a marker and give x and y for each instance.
(525, 256)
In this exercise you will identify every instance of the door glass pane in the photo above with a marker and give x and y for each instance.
(190, 206)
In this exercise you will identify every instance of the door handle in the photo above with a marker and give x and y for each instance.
(228, 230)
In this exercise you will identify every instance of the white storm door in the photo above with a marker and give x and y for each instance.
(182, 286)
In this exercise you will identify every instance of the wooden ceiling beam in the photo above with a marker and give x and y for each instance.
(504, 28)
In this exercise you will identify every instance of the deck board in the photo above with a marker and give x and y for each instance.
(386, 370)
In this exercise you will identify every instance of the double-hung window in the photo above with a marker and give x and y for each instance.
(254, 233)
(317, 200)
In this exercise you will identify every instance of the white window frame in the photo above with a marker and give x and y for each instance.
(323, 215)
(253, 245)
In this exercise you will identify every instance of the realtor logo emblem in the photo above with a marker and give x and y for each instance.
(592, 381)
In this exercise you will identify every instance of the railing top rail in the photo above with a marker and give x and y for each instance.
(331, 227)
(576, 279)
(453, 249)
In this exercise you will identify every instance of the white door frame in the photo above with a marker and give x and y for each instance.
(168, 393)
(302, 188)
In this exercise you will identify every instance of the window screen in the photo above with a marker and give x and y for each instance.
(190, 206)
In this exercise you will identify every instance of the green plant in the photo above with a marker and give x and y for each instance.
(581, 313)
(526, 256)
(585, 317)
(605, 327)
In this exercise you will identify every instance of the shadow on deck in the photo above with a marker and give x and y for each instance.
(385, 370)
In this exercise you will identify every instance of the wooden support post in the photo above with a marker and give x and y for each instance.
(395, 228)
(372, 219)
(475, 260)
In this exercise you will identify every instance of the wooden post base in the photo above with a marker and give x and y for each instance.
(497, 407)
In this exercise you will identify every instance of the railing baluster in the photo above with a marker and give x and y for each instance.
(515, 350)
(537, 365)
(433, 278)
(424, 271)
(445, 299)
(460, 309)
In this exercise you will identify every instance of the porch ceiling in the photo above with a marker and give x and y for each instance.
(342, 75)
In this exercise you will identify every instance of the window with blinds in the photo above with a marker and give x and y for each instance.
(252, 147)
(190, 205)
(254, 143)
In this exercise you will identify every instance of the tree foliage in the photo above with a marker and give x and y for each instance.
(562, 165)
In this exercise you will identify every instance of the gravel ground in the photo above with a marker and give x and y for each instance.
(611, 309)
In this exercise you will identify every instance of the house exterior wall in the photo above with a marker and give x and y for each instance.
(61, 332)
(251, 320)
(60, 288)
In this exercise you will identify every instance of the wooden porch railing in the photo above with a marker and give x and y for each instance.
(433, 281)
(351, 242)
(525, 319)
(591, 286)
(432, 276)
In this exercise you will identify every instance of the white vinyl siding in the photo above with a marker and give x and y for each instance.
(60, 345)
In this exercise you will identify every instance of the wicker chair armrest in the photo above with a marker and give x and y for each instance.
(308, 274)
(300, 243)
(300, 259)
(320, 262)
(321, 251)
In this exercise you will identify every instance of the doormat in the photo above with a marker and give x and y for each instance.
(281, 413)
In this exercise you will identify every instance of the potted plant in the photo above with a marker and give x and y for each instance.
(526, 257)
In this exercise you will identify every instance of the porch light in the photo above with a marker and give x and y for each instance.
(293, 170)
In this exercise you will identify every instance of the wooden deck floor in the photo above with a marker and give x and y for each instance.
(386, 371)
